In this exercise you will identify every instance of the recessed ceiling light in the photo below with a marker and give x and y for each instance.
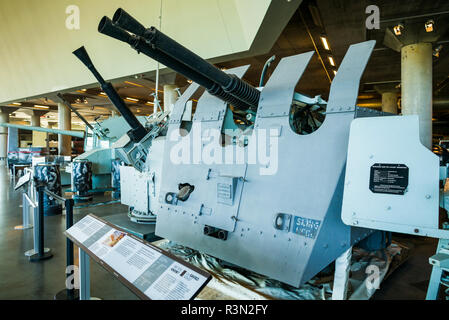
(331, 61)
(429, 25)
(325, 43)
(134, 84)
(398, 29)
(41, 107)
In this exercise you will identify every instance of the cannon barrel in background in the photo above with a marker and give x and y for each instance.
(137, 132)
(138, 43)
(231, 84)
(77, 134)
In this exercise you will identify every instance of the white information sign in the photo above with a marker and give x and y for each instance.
(147, 270)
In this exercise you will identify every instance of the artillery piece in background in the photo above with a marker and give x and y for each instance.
(98, 141)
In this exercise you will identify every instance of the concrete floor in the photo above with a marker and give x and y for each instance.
(411, 279)
(21, 279)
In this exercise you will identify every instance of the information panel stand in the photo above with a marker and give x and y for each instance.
(84, 271)
(148, 271)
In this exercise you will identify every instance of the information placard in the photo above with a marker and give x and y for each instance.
(389, 178)
(151, 273)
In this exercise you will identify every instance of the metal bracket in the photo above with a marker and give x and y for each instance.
(282, 222)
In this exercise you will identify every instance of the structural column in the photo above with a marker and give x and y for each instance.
(35, 120)
(416, 87)
(390, 102)
(39, 138)
(170, 96)
(65, 123)
(4, 118)
(389, 94)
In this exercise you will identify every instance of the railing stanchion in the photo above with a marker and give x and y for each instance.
(40, 254)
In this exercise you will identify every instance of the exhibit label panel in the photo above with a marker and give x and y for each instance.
(148, 271)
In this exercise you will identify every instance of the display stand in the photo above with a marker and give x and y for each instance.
(84, 271)
(27, 203)
(68, 293)
(148, 271)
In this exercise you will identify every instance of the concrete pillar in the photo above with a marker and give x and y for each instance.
(64, 123)
(170, 96)
(40, 139)
(4, 118)
(35, 120)
(416, 87)
(390, 102)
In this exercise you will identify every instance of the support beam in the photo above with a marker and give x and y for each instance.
(65, 123)
(4, 118)
(390, 102)
(39, 139)
(35, 120)
(416, 75)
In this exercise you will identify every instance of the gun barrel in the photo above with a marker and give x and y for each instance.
(140, 45)
(227, 87)
(77, 134)
(137, 131)
(230, 84)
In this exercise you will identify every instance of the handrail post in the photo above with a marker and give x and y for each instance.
(40, 254)
(70, 293)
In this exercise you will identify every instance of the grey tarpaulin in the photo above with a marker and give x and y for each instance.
(232, 282)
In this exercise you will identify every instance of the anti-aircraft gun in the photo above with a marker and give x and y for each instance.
(278, 214)
(132, 148)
